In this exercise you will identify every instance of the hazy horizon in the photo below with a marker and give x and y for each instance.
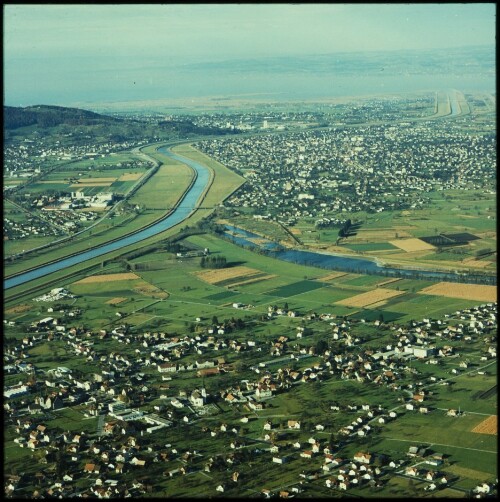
(67, 54)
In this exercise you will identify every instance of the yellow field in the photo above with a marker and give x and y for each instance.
(295, 231)
(472, 262)
(371, 297)
(115, 301)
(333, 275)
(125, 276)
(464, 291)
(487, 426)
(129, 176)
(61, 182)
(224, 274)
(379, 235)
(409, 245)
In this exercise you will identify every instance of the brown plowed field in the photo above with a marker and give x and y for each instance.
(125, 276)
(18, 309)
(488, 426)
(464, 291)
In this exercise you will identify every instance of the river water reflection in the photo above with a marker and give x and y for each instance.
(243, 238)
(333, 261)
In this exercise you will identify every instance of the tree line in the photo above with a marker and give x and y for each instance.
(213, 262)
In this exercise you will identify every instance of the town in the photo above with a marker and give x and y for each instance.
(160, 388)
(111, 391)
(319, 174)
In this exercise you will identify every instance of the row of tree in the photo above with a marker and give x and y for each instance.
(213, 262)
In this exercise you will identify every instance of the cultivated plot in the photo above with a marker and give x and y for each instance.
(124, 276)
(234, 276)
(370, 298)
(466, 291)
(410, 245)
(487, 426)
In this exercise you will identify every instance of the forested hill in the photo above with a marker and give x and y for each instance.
(58, 120)
(51, 116)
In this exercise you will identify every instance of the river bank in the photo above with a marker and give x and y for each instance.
(335, 261)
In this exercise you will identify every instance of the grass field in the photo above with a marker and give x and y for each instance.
(163, 190)
(295, 288)
(225, 181)
(366, 281)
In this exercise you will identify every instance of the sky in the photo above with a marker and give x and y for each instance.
(54, 51)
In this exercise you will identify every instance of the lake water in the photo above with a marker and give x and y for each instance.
(126, 84)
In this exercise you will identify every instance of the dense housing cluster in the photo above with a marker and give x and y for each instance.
(24, 159)
(318, 174)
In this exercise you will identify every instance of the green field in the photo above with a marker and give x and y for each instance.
(162, 191)
(172, 299)
(295, 288)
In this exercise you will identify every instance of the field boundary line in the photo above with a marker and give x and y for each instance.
(440, 444)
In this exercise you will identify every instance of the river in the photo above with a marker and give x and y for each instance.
(241, 237)
(181, 212)
(333, 261)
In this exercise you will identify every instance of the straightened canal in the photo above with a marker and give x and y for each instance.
(189, 203)
(186, 206)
